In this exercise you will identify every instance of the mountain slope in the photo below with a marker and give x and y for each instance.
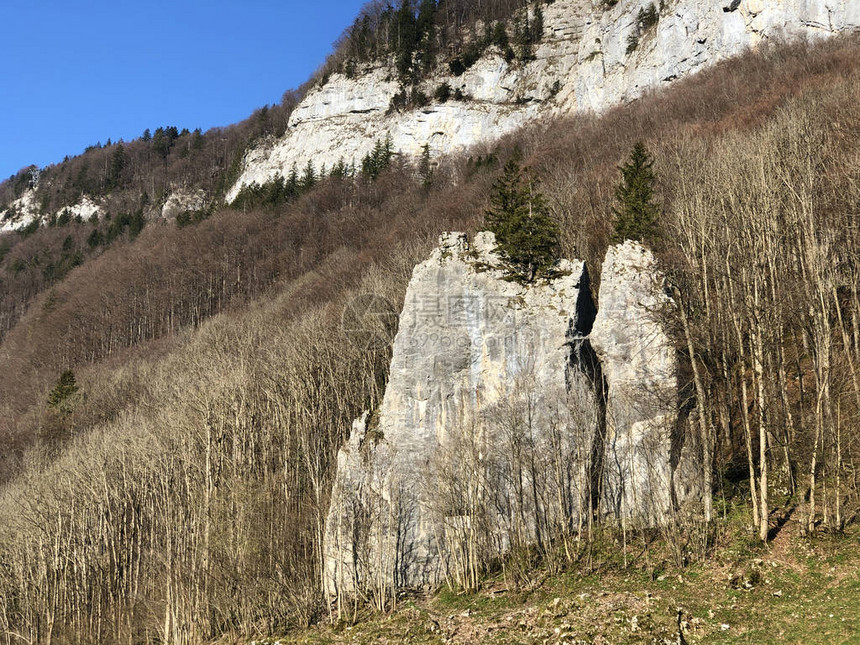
(590, 57)
(179, 495)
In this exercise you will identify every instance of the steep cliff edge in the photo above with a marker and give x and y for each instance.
(591, 57)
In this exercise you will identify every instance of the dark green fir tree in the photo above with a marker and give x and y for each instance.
(527, 237)
(636, 210)
(62, 395)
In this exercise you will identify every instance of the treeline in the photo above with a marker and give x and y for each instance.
(186, 497)
(131, 180)
(147, 169)
(416, 34)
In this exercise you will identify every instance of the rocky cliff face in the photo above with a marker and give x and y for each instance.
(639, 365)
(591, 58)
(20, 213)
(497, 427)
(183, 200)
(26, 209)
(486, 395)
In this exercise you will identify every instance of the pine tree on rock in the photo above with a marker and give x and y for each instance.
(527, 237)
(636, 211)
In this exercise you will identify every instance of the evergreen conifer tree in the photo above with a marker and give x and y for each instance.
(197, 139)
(426, 27)
(55, 428)
(404, 37)
(309, 177)
(425, 167)
(537, 24)
(526, 234)
(500, 36)
(636, 211)
(293, 178)
(379, 159)
(118, 163)
(339, 170)
(64, 390)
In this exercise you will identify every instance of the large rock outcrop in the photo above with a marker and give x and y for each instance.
(183, 200)
(510, 414)
(585, 61)
(26, 209)
(20, 213)
(486, 429)
(639, 365)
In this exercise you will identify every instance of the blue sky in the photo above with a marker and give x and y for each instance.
(76, 72)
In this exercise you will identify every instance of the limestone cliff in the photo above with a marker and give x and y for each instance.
(183, 200)
(486, 426)
(639, 364)
(591, 58)
(26, 209)
(500, 425)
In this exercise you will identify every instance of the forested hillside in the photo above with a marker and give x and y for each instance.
(173, 394)
(129, 182)
(185, 174)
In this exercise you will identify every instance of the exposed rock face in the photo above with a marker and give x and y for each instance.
(640, 365)
(25, 210)
(500, 424)
(183, 200)
(585, 62)
(21, 212)
(485, 384)
(84, 208)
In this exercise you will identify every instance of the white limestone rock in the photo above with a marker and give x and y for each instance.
(182, 200)
(639, 364)
(25, 210)
(582, 64)
(477, 360)
(84, 208)
(20, 213)
(471, 346)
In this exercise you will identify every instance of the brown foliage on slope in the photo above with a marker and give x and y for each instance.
(169, 279)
